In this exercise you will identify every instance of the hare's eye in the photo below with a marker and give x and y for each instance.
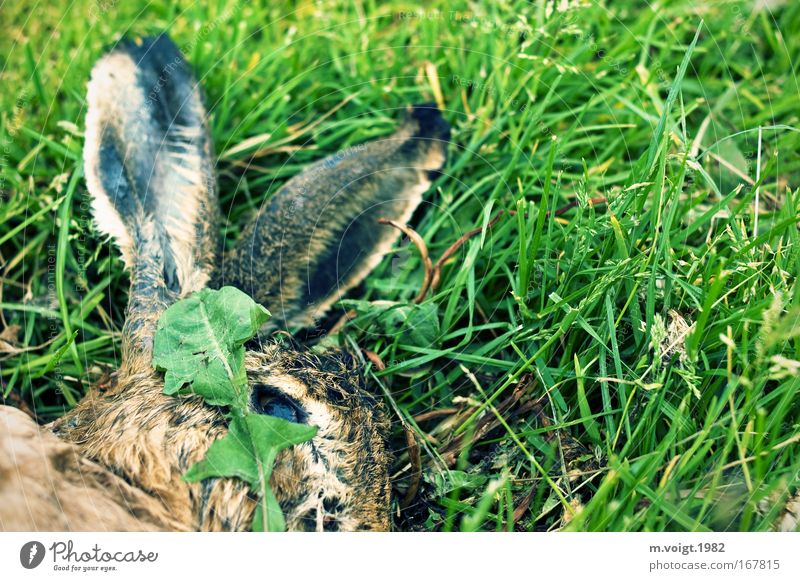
(267, 400)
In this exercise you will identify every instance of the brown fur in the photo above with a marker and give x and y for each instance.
(48, 484)
(329, 212)
(116, 461)
(151, 439)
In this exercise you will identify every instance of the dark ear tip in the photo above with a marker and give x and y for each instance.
(160, 41)
(152, 52)
(429, 120)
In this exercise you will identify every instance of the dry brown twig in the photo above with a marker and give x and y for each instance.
(415, 459)
(433, 414)
(349, 315)
(423, 252)
(375, 359)
(437, 269)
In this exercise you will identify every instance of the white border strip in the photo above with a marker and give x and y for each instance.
(406, 556)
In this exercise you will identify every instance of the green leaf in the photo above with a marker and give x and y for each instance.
(270, 436)
(199, 344)
(232, 455)
(274, 521)
(249, 452)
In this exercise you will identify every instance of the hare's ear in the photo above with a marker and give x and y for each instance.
(147, 160)
(318, 236)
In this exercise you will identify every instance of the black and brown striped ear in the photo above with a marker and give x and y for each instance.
(148, 166)
(318, 236)
(147, 157)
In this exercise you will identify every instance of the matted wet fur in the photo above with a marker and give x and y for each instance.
(115, 461)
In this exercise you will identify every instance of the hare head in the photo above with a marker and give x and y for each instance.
(149, 168)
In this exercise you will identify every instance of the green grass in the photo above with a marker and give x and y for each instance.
(578, 316)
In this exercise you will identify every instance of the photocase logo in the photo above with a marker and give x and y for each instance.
(31, 554)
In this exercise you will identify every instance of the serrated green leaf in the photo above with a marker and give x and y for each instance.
(199, 344)
(271, 435)
(232, 455)
(252, 440)
(249, 452)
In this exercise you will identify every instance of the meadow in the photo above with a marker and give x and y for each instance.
(613, 339)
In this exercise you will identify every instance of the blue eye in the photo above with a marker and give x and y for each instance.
(283, 410)
(268, 401)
